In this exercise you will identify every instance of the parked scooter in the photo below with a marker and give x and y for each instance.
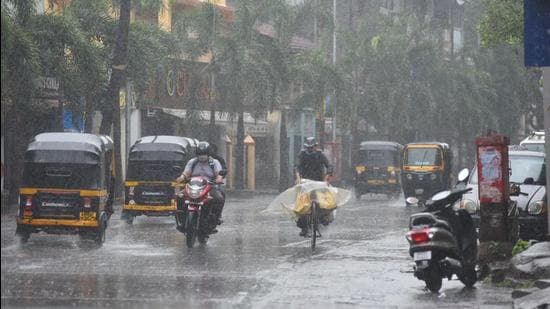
(443, 240)
(194, 215)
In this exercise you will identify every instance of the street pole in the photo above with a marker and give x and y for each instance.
(212, 82)
(546, 100)
(334, 67)
(127, 115)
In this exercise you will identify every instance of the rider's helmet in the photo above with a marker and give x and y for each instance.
(203, 151)
(310, 144)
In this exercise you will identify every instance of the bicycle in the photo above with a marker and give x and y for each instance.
(314, 223)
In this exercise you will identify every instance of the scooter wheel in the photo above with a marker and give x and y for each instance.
(433, 279)
(468, 276)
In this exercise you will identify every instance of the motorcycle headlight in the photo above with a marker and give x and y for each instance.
(194, 193)
(409, 176)
(536, 208)
(469, 205)
(433, 177)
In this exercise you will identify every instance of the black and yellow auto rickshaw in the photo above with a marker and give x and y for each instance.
(426, 169)
(378, 168)
(67, 186)
(154, 163)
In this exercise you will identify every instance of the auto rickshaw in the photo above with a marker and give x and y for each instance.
(67, 186)
(426, 169)
(154, 163)
(378, 168)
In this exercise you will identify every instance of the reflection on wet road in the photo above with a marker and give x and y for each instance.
(256, 260)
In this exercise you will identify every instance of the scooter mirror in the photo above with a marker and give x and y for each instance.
(463, 175)
(515, 190)
(412, 200)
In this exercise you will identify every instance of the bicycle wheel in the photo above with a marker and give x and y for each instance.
(314, 223)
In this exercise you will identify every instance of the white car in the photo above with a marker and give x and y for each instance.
(534, 142)
(528, 170)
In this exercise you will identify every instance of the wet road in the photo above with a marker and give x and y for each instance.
(257, 260)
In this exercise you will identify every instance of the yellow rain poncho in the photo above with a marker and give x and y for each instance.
(296, 200)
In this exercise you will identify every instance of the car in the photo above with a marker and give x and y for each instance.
(528, 170)
(534, 142)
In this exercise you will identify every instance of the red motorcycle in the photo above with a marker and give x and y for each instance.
(194, 215)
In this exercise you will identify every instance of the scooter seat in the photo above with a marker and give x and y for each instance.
(442, 224)
(428, 219)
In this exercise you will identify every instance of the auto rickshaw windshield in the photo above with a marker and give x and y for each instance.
(155, 165)
(61, 175)
(422, 157)
(378, 157)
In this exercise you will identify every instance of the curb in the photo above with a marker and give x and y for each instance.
(536, 297)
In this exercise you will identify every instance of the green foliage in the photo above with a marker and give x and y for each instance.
(502, 23)
(400, 81)
(149, 49)
(520, 246)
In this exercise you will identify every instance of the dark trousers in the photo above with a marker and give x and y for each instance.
(218, 201)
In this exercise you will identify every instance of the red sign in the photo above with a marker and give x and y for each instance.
(492, 168)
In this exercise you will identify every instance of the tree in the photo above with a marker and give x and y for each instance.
(20, 65)
(502, 23)
(111, 115)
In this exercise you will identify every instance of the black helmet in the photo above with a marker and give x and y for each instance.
(203, 148)
(310, 142)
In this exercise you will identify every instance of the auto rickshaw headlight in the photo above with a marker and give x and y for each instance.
(536, 208)
(409, 176)
(433, 176)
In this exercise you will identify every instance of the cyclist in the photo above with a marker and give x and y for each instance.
(312, 164)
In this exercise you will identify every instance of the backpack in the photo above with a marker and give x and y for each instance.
(210, 163)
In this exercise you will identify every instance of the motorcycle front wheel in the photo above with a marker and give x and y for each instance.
(469, 275)
(191, 231)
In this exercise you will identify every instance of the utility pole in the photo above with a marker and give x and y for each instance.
(212, 95)
(546, 104)
(334, 66)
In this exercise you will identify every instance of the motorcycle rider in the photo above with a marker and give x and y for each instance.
(312, 163)
(205, 165)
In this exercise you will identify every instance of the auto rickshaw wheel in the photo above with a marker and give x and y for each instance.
(127, 217)
(22, 233)
(358, 194)
(99, 236)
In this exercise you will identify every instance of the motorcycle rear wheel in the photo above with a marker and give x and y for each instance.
(191, 232)
(433, 279)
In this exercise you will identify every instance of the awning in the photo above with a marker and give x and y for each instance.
(252, 126)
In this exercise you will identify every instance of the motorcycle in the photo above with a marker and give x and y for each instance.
(194, 215)
(443, 240)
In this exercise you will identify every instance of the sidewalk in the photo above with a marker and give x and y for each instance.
(532, 267)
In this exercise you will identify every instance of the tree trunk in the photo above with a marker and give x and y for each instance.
(283, 155)
(89, 115)
(212, 127)
(118, 78)
(239, 153)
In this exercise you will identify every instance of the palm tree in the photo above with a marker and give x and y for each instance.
(20, 65)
